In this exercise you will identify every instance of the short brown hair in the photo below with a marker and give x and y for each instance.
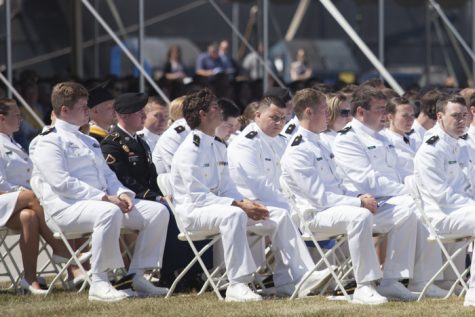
(307, 97)
(362, 98)
(442, 102)
(67, 94)
(154, 100)
(6, 104)
(394, 102)
(194, 102)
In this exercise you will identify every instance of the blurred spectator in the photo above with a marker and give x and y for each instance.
(209, 64)
(229, 64)
(300, 69)
(173, 68)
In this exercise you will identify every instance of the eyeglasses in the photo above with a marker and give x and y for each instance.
(278, 119)
(345, 113)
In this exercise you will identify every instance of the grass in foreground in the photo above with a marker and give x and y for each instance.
(72, 304)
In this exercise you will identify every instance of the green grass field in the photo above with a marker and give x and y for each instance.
(72, 304)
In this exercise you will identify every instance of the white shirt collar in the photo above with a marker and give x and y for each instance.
(63, 125)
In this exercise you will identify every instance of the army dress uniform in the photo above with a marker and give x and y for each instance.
(254, 164)
(131, 160)
(204, 193)
(309, 170)
(445, 177)
(368, 163)
(75, 179)
(168, 144)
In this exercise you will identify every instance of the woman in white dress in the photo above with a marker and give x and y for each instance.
(339, 114)
(19, 207)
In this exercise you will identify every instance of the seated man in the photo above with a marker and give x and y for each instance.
(368, 163)
(156, 120)
(445, 179)
(101, 112)
(127, 153)
(309, 171)
(207, 199)
(83, 194)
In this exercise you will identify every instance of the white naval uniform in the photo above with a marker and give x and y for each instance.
(418, 135)
(405, 149)
(76, 177)
(327, 139)
(254, 165)
(291, 128)
(368, 163)
(310, 172)
(15, 165)
(149, 137)
(168, 143)
(204, 192)
(445, 176)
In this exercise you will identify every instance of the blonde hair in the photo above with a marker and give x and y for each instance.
(176, 108)
(334, 101)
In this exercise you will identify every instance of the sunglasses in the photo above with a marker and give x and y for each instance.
(344, 113)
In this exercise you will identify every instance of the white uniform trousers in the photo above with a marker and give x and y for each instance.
(105, 220)
(408, 255)
(291, 255)
(357, 224)
(461, 221)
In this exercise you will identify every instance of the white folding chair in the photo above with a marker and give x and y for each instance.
(303, 218)
(413, 190)
(164, 183)
(7, 260)
(37, 187)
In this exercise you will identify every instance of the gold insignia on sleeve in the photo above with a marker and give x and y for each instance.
(125, 148)
(110, 159)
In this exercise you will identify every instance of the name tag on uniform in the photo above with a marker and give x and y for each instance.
(267, 159)
(371, 147)
(391, 146)
(452, 162)
(9, 153)
(319, 158)
(134, 158)
(222, 163)
(206, 165)
(95, 145)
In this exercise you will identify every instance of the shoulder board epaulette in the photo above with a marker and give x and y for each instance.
(196, 140)
(217, 138)
(410, 132)
(98, 131)
(52, 129)
(290, 128)
(251, 134)
(433, 139)
(464, 137)
(179, 129)
(345, 130)
(297, 140)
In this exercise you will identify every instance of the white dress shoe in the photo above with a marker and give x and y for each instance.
(240, 292)
(105, 292)
(58, 259)
(396, 291)
(367, 295)
(30, 289)
(145, 288)
(315, 280)
(433, 291)
(470, 297)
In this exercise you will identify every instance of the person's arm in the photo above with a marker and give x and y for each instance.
(304, 169)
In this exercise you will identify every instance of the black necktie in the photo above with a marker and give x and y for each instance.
(406, 139)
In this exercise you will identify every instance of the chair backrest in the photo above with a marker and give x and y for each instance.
(414, 192)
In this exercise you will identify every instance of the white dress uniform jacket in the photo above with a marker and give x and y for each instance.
(444, 174)
(405, 150)
(418, 135)
(254, 165)
(168, 143)
(15, 166)
(368, 161)
(150, 137)
(204, 193)
(72, 164)
(328, 139)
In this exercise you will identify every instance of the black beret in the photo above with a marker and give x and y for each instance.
(279, 92)
(130, 102)
(98, 95)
